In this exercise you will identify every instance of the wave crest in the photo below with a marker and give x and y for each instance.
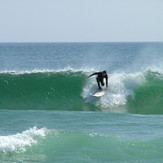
(20, 141)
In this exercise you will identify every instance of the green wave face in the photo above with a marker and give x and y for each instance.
(60, 91)
(148, 98)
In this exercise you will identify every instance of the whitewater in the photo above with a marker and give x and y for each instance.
(48, 113)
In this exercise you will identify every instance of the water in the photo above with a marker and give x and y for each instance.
(48, 113)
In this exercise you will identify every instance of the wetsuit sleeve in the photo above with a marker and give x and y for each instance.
(96, 73)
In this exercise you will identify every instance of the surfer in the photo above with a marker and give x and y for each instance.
(100, 78)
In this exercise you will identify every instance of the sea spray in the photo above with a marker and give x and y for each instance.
(120, 86)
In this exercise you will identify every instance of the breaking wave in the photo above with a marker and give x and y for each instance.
(71, 90)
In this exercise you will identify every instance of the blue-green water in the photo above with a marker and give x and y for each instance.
(48, 114)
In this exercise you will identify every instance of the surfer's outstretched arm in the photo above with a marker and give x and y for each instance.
(96, 73)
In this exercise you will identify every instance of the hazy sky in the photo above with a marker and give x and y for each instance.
(81, 20)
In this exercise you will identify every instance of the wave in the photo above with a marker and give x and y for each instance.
(148, 98)
(41, 90)
(44, 144)
(20, 141)
(71, 90)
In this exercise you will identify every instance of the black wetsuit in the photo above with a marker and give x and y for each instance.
(100, 79)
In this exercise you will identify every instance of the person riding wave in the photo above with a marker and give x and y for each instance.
(100, 78)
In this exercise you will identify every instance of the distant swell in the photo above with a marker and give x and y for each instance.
(67, 90)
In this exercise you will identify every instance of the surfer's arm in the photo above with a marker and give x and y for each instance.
(106, 81)
(96, 73)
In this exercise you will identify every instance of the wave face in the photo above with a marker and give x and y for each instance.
(45, 90)
(148, 98)
(67, 90)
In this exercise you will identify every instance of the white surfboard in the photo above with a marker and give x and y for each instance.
(99, 93)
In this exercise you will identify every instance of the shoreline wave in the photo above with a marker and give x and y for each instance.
(20, 141)
(43, 144)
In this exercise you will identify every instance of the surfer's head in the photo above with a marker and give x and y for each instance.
(104, 72)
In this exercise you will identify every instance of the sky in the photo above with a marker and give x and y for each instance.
(81, 20)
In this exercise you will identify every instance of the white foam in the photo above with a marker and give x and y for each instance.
(20, 141)
(120, 86)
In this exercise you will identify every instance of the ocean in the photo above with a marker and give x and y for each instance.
(48, 113)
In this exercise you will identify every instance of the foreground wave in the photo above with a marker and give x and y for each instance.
(67, 90)
(46, 145)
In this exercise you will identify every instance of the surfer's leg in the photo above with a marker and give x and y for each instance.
(102, 82)
(98, 82)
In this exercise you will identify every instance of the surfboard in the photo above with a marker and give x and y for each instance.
(99, 93)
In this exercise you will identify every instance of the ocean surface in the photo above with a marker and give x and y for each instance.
(48, 113)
